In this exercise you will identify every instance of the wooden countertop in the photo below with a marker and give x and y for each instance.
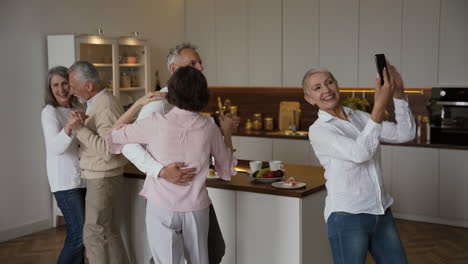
(277, 134)
(311, 175)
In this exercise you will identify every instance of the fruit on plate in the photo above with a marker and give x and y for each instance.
(278, 173)
(261, 173)
(268, 174)
(291, 182)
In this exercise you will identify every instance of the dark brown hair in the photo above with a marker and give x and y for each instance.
(188, 89)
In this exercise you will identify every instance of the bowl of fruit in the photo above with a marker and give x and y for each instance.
(266, 175)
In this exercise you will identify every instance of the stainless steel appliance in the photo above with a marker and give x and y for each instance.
(448, 110)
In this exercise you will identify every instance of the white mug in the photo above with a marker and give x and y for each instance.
(255, 165)
(276, 165)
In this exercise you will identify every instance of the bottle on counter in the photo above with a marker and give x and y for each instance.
(418, 129)
(427, 129)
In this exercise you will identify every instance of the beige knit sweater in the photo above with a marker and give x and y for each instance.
(95, 160)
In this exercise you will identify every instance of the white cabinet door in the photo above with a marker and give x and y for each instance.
(300, 39)
(200, 29)
(415, 180)
(420, 49)
(224, 203)
(453, 184)
(453, 68)
(231, 39)
(255, 148)
(264, 42)
(379, 32)
(268, 229)
(339, 35)
(291, 151)
(387, 168)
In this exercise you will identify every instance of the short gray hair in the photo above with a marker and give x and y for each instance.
(85, 72)
(311, 72)
(49, 98)
(175, 52)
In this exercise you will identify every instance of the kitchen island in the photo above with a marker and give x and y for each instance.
(260, 224)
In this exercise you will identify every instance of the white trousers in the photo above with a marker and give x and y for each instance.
(176, 236)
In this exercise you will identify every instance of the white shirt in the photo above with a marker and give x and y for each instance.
(350, 154)
(89, 103)
(63, 167)
(136, 153)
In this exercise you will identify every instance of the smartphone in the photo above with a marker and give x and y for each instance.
(381, 63)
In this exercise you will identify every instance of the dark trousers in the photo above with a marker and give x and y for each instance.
(216, 245)
(72, 204)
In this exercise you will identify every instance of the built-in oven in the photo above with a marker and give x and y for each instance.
(448, 110)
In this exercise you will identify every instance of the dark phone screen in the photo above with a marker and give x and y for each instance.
(381, 63)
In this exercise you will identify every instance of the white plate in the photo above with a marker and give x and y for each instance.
(212, 177)
(283, 185)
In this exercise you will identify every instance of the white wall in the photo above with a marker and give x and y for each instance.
(25, 199)
(286, 38)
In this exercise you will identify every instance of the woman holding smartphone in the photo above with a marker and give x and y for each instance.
(347, 144)
(63, 168)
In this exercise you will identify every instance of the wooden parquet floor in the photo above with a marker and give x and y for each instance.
(424, 244)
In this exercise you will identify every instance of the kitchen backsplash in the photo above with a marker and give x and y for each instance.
(266, 100)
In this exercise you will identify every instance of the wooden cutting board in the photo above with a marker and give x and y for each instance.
(285, 118)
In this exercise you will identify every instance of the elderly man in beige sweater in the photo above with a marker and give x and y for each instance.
(101, 170)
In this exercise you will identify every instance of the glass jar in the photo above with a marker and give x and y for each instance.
(233, 110)
(257, 121)
(268, 123)
(248, 125)
(125, 81)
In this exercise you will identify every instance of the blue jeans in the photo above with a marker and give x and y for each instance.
(352, 235)
(72, 204)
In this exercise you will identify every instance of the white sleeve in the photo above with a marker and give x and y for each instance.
(327, 142)
(405, 128)
(56, 140)
(136, 153)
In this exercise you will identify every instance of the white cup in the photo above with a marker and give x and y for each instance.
(276, 165)
(255, 165)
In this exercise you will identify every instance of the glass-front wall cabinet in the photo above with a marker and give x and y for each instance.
(123, 63)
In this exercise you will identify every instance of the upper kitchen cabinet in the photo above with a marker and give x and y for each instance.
(200, 30)
(134, 69)
(123, 64)
(265, 61)
(380, 29)
(339, 35)
(300, 39)
(420, 47)
(232, 42)
(453, 66)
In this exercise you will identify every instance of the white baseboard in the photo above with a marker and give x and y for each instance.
(431, 219)
(26, 229)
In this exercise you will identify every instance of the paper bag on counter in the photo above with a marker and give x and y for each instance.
(285, 119)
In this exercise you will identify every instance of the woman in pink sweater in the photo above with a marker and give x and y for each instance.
(177, 216)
